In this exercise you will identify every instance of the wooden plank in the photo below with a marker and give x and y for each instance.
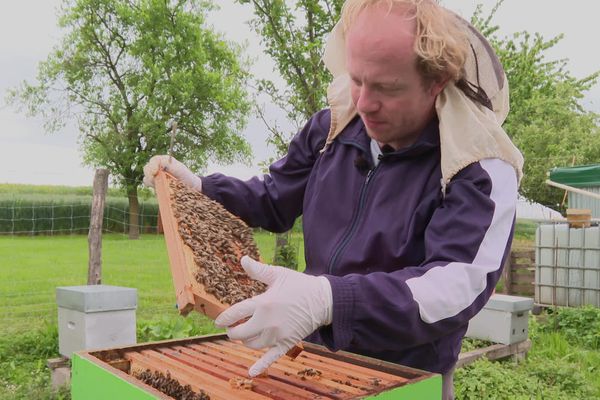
(494, 352)
(317, 361)
(115, 353)
(245, 363)
(353, 368)
(199, 376)
(287, 370)
(523, 254)
(522, 266)
(288, 366)
(216, 390)
(95, 232)
(283, 372)
(523, 289)
(347, 375)
(234, 368)
(523, 279)
(413, 375)
(175, 247)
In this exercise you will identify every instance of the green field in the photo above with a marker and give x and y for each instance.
(31, 269)
(40, 192)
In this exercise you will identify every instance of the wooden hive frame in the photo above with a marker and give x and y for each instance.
(191, 295)
(211, 363)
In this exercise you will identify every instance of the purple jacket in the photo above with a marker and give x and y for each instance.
(408, 266)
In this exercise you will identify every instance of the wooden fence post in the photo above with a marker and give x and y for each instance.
(95, 233)
(507, 273)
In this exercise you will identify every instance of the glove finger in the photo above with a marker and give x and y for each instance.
(272, 355)
(259, 271)
(236, 313)
(150, 171)
(246, 331)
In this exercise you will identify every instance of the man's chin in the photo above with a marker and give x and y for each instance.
(376, 135)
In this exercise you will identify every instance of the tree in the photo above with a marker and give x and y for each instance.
(126, 68)
(293, 34)
(546, 120)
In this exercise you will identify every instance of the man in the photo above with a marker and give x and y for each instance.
(404, 237)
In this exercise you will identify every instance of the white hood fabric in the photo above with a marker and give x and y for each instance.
(469, 131)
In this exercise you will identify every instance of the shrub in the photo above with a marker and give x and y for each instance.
(579, 325)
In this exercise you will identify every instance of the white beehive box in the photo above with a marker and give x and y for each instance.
(504, 319)
(95, 316)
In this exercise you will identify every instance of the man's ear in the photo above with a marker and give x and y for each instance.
(437, 86)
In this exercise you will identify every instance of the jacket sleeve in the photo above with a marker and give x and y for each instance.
(466, 242)
(274, 200)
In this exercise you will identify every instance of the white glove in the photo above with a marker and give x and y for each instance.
(294, 306)
(175, 168)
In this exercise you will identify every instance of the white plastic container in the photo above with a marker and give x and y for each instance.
(504, 319)
(95, 317)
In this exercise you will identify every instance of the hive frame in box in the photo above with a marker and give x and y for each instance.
(103, 374)
(190, 293)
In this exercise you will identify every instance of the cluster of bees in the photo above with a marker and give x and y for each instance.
(309, 373)
(169, 386)
(218, 240)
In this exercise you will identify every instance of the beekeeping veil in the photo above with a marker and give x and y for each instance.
(471, 111)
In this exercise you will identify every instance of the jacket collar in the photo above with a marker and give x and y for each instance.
(356, 134)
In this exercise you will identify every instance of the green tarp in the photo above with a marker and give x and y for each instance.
(581, 176)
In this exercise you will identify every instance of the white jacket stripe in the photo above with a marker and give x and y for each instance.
(444, 291)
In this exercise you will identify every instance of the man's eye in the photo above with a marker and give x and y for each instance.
(391, 89)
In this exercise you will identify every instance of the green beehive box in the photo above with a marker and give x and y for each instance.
(217, 366)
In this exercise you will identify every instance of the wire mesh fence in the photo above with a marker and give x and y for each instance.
(19, 217)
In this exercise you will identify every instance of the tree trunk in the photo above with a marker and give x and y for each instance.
(134, 212)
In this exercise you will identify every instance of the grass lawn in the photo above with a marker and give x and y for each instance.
(32, 267)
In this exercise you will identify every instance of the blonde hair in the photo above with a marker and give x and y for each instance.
(441, 44)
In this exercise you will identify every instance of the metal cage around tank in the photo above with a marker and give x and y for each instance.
(567, 266)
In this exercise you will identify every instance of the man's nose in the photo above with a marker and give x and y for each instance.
(367, 101)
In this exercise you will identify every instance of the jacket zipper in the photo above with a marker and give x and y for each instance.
(354, 223)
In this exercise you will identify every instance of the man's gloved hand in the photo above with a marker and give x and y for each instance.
(175, 168)
(294, 306)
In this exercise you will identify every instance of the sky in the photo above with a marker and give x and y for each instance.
(28, 31)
